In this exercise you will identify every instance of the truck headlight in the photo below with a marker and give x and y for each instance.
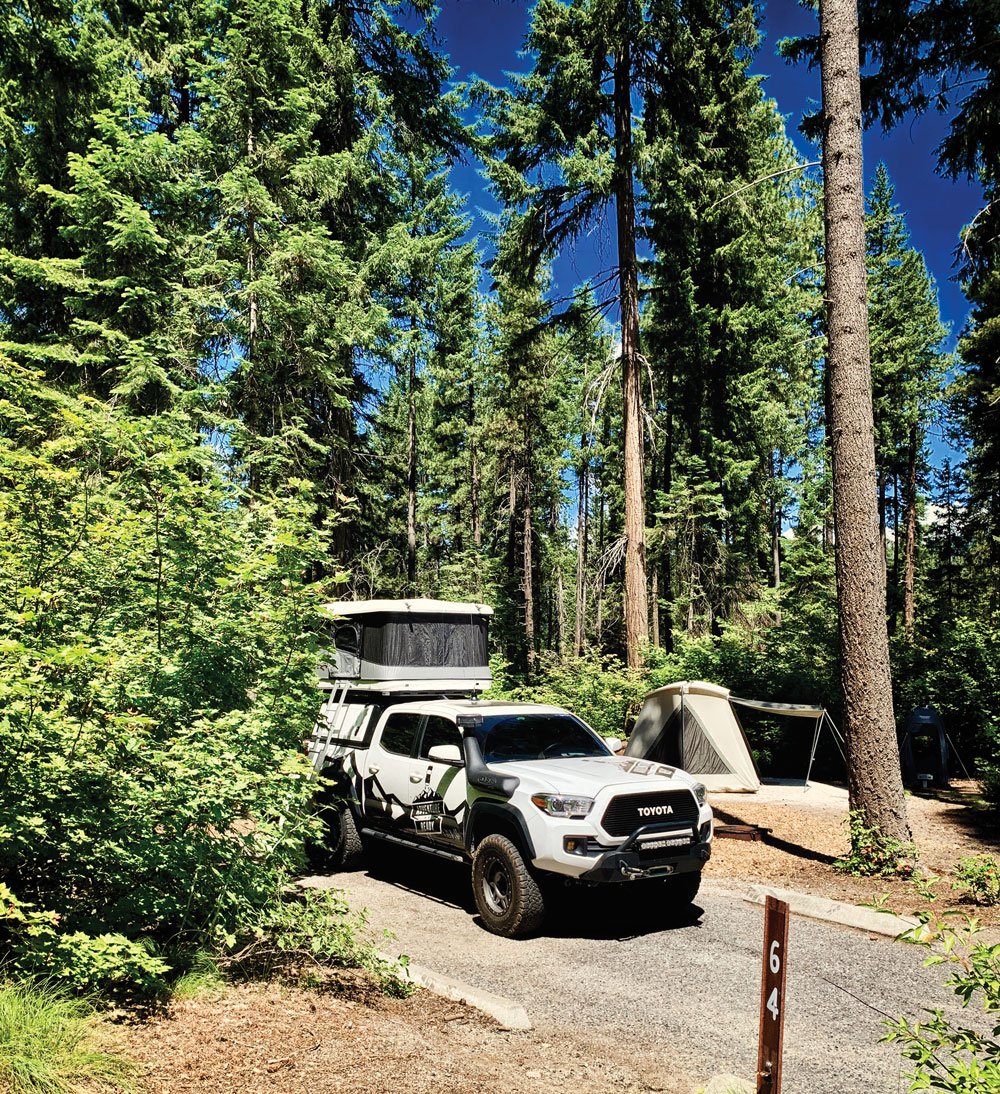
(562, 805)
(699, 792)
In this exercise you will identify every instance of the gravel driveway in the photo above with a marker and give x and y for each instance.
(688, 988)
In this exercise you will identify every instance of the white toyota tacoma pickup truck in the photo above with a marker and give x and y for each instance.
(527, 793)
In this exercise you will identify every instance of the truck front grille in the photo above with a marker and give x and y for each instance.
(628, 812)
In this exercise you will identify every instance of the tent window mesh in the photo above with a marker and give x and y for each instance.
(425, 641)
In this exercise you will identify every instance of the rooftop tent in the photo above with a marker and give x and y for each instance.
(692, 725)
(439, 641)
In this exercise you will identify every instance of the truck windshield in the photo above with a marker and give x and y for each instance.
(536, 736)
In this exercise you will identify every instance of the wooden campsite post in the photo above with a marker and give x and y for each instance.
(772, 997)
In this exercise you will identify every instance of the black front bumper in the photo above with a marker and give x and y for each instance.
(639, 856)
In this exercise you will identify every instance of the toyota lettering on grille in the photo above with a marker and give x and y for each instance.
(655, 810)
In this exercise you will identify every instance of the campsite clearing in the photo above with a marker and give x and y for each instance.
(809, 832)
(270, 1038)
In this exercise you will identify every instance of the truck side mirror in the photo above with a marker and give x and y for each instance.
(445, 754)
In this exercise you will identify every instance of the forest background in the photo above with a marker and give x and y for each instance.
(253, 359)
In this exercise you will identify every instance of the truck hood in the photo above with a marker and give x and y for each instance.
(587, 775)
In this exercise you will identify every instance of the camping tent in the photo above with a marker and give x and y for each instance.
(437, 644)
(693, 725)
(923, 749)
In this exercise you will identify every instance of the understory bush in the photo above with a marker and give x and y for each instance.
(157, 677)
(873, 854)
(311, 930)
(948, 1056)
(979, 876)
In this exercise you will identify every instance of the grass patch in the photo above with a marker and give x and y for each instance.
(53, 1044)
(202, 978)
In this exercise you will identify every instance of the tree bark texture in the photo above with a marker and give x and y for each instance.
(636, 602)
(411, 475)
(477, 532)
(527, 583)
(910, 548)
(582, 531)
(876, 787)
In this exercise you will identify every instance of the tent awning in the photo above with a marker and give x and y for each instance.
(789, 710)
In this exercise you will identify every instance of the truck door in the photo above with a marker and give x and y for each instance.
(387, 771)
(438, 803)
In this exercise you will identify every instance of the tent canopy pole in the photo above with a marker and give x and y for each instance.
(951, 745)
(838, 740)
(812, 751)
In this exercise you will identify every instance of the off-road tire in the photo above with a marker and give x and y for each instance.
(344, 840)
(507, 895)
(339, 847)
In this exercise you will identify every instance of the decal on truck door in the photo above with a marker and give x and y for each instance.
(427, 809)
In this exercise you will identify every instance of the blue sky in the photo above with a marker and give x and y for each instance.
(483, 37)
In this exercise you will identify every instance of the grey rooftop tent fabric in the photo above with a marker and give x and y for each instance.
(394, 640)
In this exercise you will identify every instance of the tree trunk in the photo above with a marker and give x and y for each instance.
(876, 787)
(560, 615)
(666, 590)
(910, 559)
(776, 516)
(529, 596)
(636, 603)
(411, 474)
(654, 597)
(583, 502)
(477, 531)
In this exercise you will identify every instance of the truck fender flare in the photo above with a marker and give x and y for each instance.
(344, 787)
(501, 811)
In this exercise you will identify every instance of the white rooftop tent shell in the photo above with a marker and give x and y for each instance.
(692, 724)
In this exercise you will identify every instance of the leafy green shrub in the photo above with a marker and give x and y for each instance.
(601, 690)
(951, 1057)
(979, 876)
(157, 666)
(52, 1044)
(315, 928)
(874, 855)
(109, 965)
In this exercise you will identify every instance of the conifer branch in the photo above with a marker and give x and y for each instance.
(764, 178)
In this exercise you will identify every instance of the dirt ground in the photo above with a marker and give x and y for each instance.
(271, 1039)
(809, 832)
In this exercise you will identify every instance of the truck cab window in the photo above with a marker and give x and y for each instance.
(400, 733)
(439, 731)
